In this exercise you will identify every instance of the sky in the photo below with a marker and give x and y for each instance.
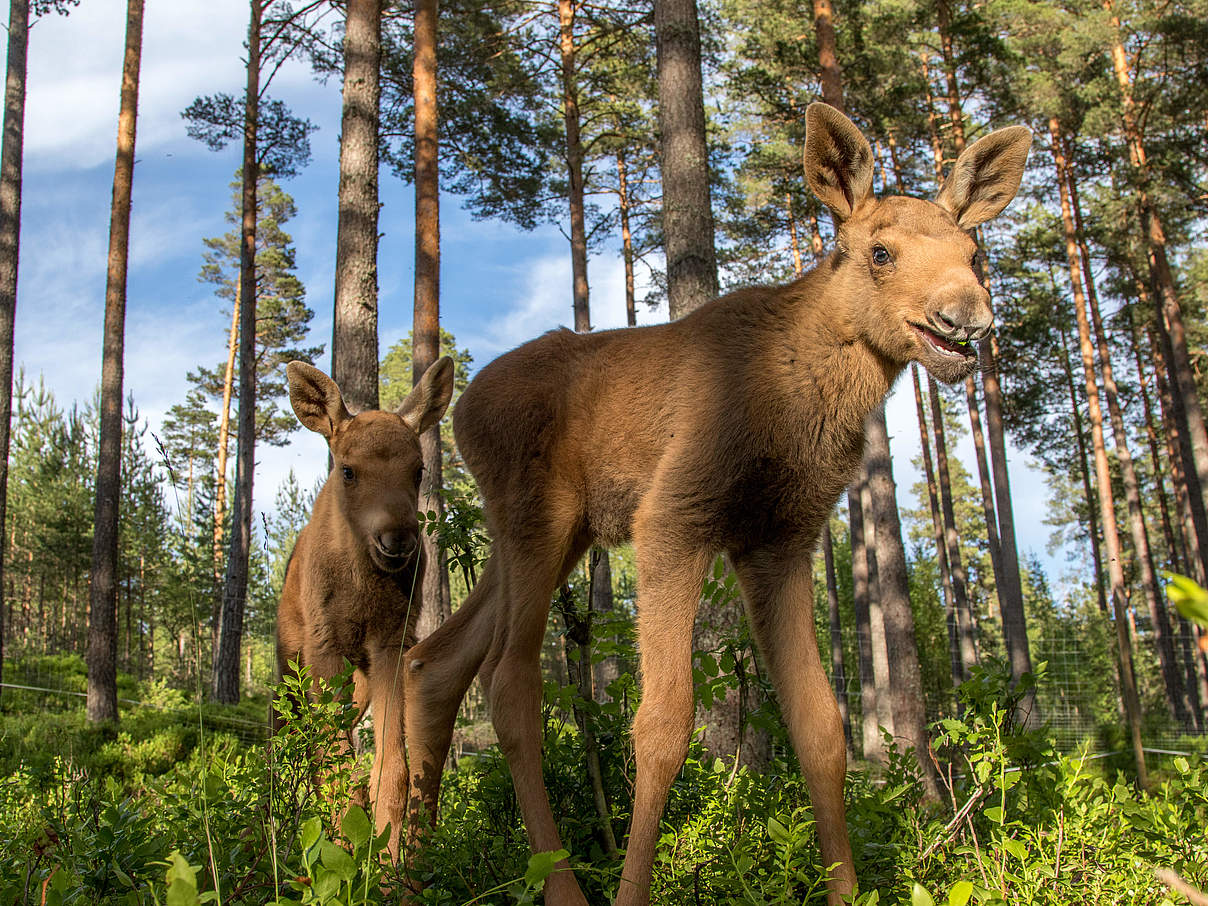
(499, 286)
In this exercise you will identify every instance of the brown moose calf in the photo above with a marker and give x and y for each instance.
(351, 581)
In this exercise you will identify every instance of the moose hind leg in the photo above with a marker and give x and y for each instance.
(778, 588)
(438, 672)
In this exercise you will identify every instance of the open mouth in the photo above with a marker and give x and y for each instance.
(394, 562)
(945, 346)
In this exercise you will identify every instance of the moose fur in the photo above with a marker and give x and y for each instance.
(351, 585)
(733, 430)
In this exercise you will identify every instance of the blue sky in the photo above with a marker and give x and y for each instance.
(499, 286)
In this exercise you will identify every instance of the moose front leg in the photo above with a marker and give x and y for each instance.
(778, 588)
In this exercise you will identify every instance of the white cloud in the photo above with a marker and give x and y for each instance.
(545, 302)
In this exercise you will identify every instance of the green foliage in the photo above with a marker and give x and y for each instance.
(220, 822)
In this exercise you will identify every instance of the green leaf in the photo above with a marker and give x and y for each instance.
(1181, 765)
(960, 893)
(778, 832)
(1188, 597)
(336, 858)
(1015, 848)
(355, 826)
(994, 813)
(541, 866)
(181, 878)
(310, 832)
(920, 897)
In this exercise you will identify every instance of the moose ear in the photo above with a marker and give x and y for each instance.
(838, 160)
(986, 176)
(427, 402)
(316, 399)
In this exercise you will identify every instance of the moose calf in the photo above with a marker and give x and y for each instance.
(732, 430)
(351, 587)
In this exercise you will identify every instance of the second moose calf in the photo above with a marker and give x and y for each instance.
(352, 581)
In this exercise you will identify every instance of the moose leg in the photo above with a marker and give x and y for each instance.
(439, 671)
(669, 588)
(513, 678)
(388, 780)
(778, 587)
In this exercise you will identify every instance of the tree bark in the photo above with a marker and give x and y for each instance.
(354, 342)
(425, 329)
(906, 687)
(687, 208)
(1091, 506)
(11, 161)
(225, 680)
(102, 622)
(623, 204)
(838, 671)
(1176, 544)
(579, 673)
(574, 165)
(871, 745)
(938, 534)
(964, 615)
(224, 442)
(1155, 599)
(1182, 464)
(1107, 505)
(828, 57)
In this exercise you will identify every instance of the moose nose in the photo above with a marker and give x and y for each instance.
(393, 542)
(965, 318)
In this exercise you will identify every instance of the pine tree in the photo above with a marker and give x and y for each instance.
(102, 628)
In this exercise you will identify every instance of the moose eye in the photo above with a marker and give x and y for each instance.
(349, 474)
(880, 255)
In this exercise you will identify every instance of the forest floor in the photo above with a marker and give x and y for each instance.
(171, 806)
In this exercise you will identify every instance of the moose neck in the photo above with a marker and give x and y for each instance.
(838, 376)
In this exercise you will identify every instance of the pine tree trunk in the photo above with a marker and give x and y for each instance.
(102, 623)
(425, 330)
(838, 670)
(11, 159)
(871, 744)
(964, 613)
(687, 209)
(1154, 597)
(1182, 466)
(1107, 506)
(623, 204)
(906, 687)
(220, 470)
(876, 613)
(354, 341)
(225, 680)
(574, 165)
(1169, 309)
(938, 534)
(1176, 544)
(828, 57)
(1092, 508)
(579, 674)
(605, 669)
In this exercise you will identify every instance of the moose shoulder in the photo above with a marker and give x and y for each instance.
(732, 430)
